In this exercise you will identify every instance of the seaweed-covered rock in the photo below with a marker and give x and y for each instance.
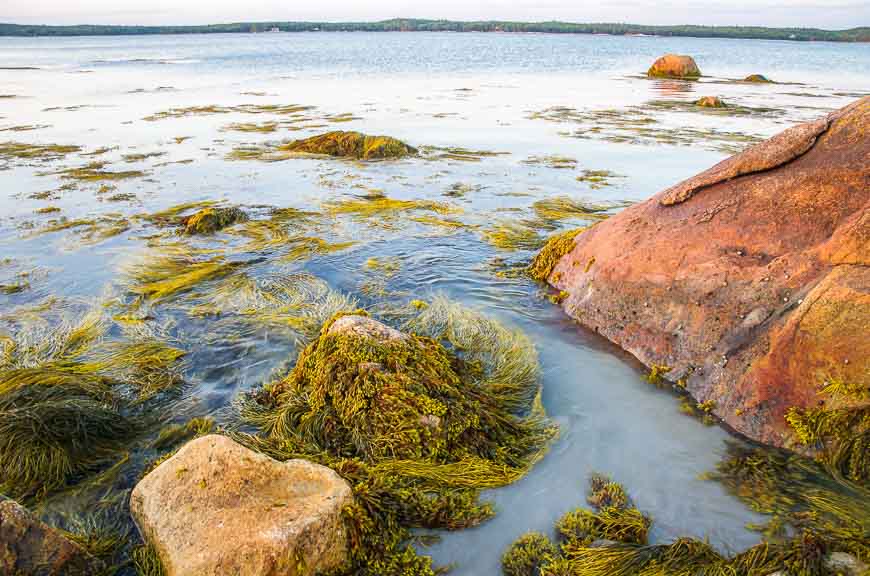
(674, 66)
(27, 546)
(418, 421)
(351, 145)
(758, 79)
(218, 508)
(710, 102)
(211, 220)
(750, 282)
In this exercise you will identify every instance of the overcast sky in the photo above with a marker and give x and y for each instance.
(807, 13)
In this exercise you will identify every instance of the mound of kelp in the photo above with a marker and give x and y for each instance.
(351, 145)
(418, 422)
(820, 526)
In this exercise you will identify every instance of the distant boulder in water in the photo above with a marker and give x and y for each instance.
(352, 145)
(710, 102)
(758, 79)
(674, 66)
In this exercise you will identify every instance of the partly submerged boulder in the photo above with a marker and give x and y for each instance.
(351, 145)
(674, 66)
(27, 546)
(211, 220)
(218, 508)
(758, 78)
(750, 282)
(710, 102)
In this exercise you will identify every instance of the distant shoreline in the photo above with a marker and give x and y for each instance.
(861, 34)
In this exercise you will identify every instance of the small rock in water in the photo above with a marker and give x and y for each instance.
(27, 546)
(710, 102)
(217, 507)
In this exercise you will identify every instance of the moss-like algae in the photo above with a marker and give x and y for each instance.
(210, 220)
(556, 247)
(351, 145)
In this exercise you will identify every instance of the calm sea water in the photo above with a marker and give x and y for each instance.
(477, 91)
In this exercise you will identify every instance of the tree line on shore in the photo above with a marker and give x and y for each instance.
(415, 25)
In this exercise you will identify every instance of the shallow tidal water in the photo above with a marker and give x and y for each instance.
(552, 108)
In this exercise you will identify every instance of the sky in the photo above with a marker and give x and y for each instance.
(831, 14)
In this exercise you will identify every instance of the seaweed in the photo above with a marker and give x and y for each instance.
(825, 515)
(554, 161)
(562, 207)
(509, 235)
(555, 248)
(459, 154)
(94, 172)
(69, 402)
(22, 151)
(597, 179)
(383, 206)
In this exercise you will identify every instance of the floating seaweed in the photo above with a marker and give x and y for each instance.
(22, 151)
(554, 161)
(95, 172)
(459, 154)
(510, 235)
(210, 220)
(825, 516)
(597, 179)
(70, 402)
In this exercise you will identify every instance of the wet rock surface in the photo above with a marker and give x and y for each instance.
(218, 508)
(749, 281)
(27, 546)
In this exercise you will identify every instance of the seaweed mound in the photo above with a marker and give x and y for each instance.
(211, 220)
(351, 145)
(710, 102)
(674, 66)
(417, 427)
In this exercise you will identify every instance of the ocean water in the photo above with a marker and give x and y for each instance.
(551, 106)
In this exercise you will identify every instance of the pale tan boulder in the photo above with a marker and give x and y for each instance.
(218, 508)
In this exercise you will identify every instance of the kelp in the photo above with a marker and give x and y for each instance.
(813, 516)
(840, 433)
(95, 172)
(383, 206)
(552, 161)
(23, 151)
(556, 247)
(174, 215)
(281, 109)
(459, 154)
(597, 179)
(642, 125)
(510, 235)
(89, 230)
(275, 232)
(351, 145)
(70, 402)
(172, 270)
(563, 207)
(140, 157)
(417, 424)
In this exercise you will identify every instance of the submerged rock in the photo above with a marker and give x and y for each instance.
(351, 145)
(27, 546)
(750, 282)
(758, 78)
(218, 508)
(710, 102)
(211, 220)
(674, 66)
